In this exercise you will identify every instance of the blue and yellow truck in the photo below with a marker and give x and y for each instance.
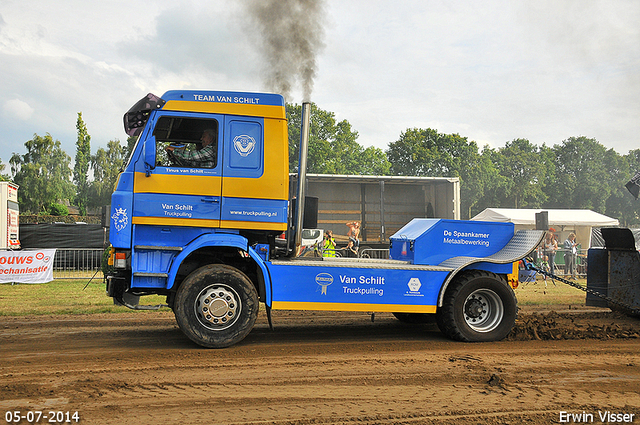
(200, 204)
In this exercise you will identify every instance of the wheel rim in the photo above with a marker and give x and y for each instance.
(483, 310)
(218, 307)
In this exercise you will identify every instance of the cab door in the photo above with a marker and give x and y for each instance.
(255, 174)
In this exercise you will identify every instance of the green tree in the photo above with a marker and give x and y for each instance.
(420, 152)
(3, 177)
(106, 165)
(547, 157)
(373, 161)
(521, 164)
(131, 143)
(481, 182)
(621, 204)
(425, 152)
(333, 146)
(582, 175)
(43, 174)
(81, 166)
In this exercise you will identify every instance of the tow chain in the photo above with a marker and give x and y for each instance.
(633, 310)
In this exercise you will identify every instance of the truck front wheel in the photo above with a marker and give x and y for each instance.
(216, 306)
(478, 306)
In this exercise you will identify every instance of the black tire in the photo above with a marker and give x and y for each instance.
(362, 252)
(478, 306)
(231, 293)
(415, 318)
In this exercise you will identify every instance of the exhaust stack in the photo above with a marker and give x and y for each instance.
(302, 175)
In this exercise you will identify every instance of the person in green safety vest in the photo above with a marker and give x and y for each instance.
(328, 245)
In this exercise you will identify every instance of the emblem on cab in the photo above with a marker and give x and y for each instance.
(244, 144)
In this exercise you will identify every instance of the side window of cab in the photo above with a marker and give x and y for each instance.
(186, 142)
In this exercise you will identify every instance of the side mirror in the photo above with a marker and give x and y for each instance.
(149, 155)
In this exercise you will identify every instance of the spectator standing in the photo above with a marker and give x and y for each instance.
(329, 245)
(550, 249)
(570, 254)
(354, 237)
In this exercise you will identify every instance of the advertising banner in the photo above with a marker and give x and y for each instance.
(27, 266)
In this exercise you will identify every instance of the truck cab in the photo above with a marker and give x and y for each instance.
(170, 216)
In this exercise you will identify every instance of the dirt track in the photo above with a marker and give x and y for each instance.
(319, 368)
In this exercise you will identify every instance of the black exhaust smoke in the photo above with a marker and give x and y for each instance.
(290, 38)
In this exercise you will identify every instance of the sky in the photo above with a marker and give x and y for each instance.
(492, 70)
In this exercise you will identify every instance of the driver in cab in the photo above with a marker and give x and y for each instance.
(204, 156)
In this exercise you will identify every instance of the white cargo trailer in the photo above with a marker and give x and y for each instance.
(382, 204)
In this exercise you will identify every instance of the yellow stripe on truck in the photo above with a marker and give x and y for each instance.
(387, 308)
(171, 221)
(193, 222)
(249, 225)
(265, 111)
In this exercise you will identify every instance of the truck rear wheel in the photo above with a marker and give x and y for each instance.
(478, 306)
(216, 306)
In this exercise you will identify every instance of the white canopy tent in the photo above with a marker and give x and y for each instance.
(562, 221)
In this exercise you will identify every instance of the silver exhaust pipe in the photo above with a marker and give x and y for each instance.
(302, 175)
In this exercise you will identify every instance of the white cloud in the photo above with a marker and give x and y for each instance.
(18, 109)
(492, 71)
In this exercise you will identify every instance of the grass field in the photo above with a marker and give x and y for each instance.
(76, 297)
(553, 294)
(61, 297)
